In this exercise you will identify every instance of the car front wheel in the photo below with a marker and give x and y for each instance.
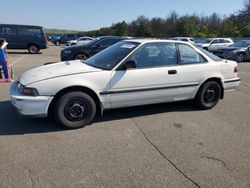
(81, 57)
(75, 110)
(240, 57)
(208, 95)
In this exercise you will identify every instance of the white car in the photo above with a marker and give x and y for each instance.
(213, 44)
(184, 39)
(79, 41)
(129, 73)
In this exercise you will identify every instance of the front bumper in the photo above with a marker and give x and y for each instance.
(66, 57)
(36, 106)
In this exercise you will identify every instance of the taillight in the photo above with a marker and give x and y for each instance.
(45, 37)
(236, 69)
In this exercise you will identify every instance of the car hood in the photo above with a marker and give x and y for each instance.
(55, 70)
(229, 49)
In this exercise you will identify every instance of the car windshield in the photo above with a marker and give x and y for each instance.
(205, 41)
(110, 57)
(241, 44)
(210, 55)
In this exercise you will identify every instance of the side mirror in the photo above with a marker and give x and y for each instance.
(96, 46)
(130, 64)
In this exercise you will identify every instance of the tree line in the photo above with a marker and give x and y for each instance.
(214, 25)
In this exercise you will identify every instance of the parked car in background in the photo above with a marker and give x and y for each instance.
(184, 39)
(240, 51)
(129, 73)
(28, 37)
(213, 44)
(63, 39)
(79, 41)
(85, 51)
(55, 39)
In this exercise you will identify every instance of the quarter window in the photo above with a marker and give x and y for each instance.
(155, 55)
(189, 56)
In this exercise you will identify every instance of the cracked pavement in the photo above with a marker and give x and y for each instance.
(166, 145)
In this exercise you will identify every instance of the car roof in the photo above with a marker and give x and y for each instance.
(20, 25)
(144, 41)
(100, 37)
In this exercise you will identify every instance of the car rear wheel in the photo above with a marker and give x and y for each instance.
(75, 110)
(81, 57)
(240, 57)
(208, 95)
(33, 49)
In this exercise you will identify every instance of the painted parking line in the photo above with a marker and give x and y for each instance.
(19, 59)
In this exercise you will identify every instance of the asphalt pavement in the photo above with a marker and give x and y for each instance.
(166, 145)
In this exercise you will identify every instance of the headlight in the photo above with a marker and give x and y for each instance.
(67, 51)
(27, 91)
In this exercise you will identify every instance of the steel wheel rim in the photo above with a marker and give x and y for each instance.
(211, 95)
(76, 110)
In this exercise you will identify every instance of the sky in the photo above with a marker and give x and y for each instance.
(85, 15)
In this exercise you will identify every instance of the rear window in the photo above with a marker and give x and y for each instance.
(210, 55)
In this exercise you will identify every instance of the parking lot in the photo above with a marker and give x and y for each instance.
(166, 145)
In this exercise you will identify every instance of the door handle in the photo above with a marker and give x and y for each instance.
(172, 72)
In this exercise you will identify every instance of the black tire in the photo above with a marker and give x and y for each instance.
(57, 43)
(75, 110)
(208, 95)
(80, 56)
(33, 49)
(240, 57)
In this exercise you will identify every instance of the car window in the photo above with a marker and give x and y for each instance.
(216, 41)
(107, 42)
(185, 40)
(189, 56)
(227, 41)
(6, 30)
(222, 41)
(29, 31)
(155, 55)
(211, 55)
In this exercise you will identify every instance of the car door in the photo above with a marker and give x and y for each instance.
(192, 66)
(214, 45)
(155, 79)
